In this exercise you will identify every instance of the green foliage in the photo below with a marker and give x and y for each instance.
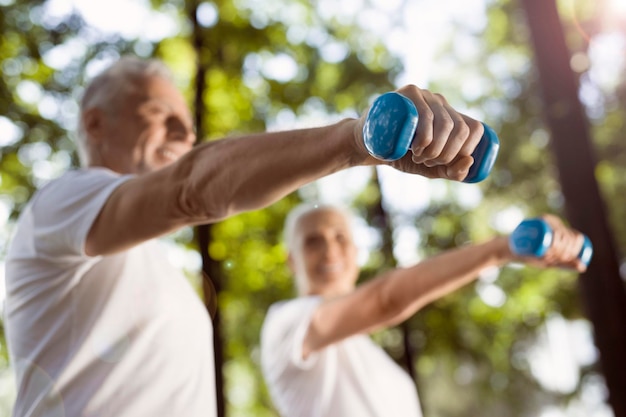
(464, 348)
(469, 350)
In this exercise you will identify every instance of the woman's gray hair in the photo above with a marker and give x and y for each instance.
(108, 89)
(291, 224)
(302, 210)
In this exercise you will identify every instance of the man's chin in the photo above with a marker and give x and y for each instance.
(330, 277)
(146, 168)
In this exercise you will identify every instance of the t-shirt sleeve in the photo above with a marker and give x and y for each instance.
(64, 210)
(283, 333)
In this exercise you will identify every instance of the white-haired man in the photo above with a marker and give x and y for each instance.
(316, 355)
(98, 324)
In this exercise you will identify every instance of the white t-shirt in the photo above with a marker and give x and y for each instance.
(109, 336)
(354, 377)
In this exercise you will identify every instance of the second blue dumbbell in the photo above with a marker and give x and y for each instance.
(390, 126)
(533, 237)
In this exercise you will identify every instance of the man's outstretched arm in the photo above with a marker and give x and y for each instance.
(225, 177)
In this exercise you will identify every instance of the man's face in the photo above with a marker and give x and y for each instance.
(324, 254)
(151, 129)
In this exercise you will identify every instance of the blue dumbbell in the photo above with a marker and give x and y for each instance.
(533, 237)
(390, 126)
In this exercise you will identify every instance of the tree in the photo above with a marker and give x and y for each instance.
(473, 345)
(602, 287)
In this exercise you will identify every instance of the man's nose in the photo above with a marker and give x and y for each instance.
(178, 131)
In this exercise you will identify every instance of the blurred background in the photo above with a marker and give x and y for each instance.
(517, 342)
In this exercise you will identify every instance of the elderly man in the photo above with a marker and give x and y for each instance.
(98, 323)
(317, 358)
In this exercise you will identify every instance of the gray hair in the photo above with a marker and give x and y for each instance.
(110, 87)
(302, 210)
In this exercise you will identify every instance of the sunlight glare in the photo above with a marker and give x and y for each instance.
(129, 19)
(618, 7)
(11, 132)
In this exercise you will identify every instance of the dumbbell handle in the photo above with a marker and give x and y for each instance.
(390, 126)
(533, 237)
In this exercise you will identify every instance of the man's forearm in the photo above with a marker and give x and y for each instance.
(226, 177)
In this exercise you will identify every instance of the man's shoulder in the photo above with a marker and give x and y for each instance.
(73, 176)
(87, 174)
(70, 184)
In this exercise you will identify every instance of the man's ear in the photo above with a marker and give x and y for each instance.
(93, 122)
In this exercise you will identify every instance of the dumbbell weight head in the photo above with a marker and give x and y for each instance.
(533, 237)
(390, 127)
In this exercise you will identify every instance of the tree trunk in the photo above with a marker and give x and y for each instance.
(210, 267)
(380, 219)
(601, 286)
(211, 287)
